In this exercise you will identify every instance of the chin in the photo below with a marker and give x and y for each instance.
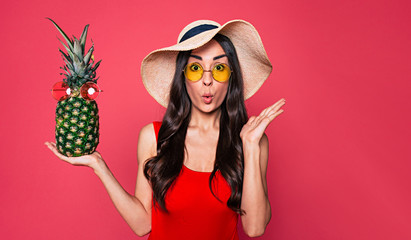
(207, 108)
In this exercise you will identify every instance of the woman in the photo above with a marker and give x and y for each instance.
(206, 163)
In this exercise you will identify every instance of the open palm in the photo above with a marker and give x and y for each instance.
(254, 129)
(90, 160)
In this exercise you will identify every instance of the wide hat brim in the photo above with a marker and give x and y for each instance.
(158, 67)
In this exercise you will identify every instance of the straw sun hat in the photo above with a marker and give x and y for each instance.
(254, 63)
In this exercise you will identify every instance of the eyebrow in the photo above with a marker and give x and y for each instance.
(215, 58)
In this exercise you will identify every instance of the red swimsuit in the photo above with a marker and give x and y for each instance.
(194, 213)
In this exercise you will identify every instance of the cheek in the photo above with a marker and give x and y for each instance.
(190, 87)
(223, 90)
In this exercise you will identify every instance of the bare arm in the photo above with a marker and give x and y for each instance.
(135, 209)
(254, 199)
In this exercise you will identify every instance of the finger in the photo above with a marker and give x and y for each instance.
(52, 146)
(276, 105)
(263, 124)
(258, 119)
(274, 108)
(267, 109)
(251, 120)
(50, 143)
(271, 116)
(264, 121)
(275, 114)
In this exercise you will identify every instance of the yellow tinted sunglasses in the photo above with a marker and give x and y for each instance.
(194, 72)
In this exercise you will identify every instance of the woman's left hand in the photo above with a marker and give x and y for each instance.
(254, 129)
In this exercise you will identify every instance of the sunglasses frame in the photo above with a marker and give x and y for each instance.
(67, 96)
(202, 74)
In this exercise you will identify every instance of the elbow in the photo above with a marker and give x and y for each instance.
(254, 232)
(256, 228)
(142, 231)
(141, 234)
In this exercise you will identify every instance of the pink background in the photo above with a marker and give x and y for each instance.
(339, 164)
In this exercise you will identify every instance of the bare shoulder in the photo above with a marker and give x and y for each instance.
(147, 143)
(147, 131)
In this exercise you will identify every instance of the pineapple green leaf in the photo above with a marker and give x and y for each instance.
(77, 49)
(96, 66)
(76, 63)
(78, 67)
(67, 57)
(65, 74)
(65, 69)
(67, 49)
(72, 56)
(68, 40)
(88, 55)
(83, 37)
(89, 67)
(69, 65)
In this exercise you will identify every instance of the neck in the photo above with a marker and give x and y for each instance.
(205, 121)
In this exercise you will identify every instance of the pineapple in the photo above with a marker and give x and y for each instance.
(77, 120)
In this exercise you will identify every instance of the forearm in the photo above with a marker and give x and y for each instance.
(129, 206)
(254, 199)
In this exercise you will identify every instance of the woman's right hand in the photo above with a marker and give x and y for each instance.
(92, 160)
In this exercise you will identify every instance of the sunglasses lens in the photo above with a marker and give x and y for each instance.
(89, 91)
(60, 91)
(221, 72)
(193, 71)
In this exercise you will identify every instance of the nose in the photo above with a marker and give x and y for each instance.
(207, 78)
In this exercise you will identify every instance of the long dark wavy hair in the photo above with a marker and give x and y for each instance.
(163, 169)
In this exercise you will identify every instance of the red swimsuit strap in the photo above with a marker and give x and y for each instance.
(157, 126)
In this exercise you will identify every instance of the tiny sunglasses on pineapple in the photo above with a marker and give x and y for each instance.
(88, 91)
(194, 72)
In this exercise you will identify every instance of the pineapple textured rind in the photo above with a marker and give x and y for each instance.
(77, 127)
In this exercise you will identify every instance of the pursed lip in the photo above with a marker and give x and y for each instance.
(207, 98)
(207, 95)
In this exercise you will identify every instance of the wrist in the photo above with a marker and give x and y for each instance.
(99, 167)
(250, 145)
(250, 140)
(251, 151)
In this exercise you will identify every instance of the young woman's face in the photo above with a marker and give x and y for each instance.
(207, 94)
